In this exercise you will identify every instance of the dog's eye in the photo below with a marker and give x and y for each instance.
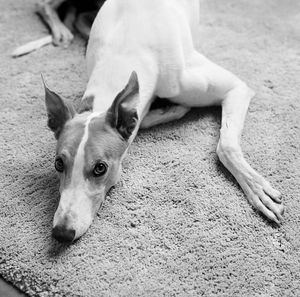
(99, 169)
(59, 164)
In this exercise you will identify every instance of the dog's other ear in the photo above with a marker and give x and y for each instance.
(122, 115)
(58, 111)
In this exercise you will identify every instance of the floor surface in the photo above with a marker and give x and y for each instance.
(8, 290)
(177, 223)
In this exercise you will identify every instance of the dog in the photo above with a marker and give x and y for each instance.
(76, 14)
(139, 51)
(63, 17)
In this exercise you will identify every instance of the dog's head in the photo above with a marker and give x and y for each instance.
(90, 148)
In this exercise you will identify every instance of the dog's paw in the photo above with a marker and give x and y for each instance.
(62, 36)
(262, 196)
(164, 115)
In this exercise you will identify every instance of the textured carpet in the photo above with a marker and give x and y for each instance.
(177, 224)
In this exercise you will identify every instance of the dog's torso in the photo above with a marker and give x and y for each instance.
(155, 38)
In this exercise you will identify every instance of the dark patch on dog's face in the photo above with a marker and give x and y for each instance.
(105, 145)
(86, 104)
(67, 146)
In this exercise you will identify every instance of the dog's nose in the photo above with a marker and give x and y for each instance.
(62, 234)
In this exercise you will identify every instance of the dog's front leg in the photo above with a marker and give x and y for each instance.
(164, 115)
(234, 96)
(259, 191)
(47, 9)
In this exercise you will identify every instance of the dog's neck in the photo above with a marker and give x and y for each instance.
(110, 75)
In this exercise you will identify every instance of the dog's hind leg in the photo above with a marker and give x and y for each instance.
(234, 97)
(163, 115)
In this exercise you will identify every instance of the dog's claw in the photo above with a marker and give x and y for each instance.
(274, 194)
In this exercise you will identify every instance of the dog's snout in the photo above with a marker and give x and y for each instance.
(63, 234)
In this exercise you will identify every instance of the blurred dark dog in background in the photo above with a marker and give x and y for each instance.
(63, 17)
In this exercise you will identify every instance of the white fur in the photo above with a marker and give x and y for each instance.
(151, 37)
(77, 179)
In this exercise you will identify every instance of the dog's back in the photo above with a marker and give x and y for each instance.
(160, 30)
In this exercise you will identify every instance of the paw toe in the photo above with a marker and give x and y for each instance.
(274, 194)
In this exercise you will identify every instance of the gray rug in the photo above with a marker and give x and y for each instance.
(177, 224)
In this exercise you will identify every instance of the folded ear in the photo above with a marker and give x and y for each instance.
(122, 115)
(58, 111)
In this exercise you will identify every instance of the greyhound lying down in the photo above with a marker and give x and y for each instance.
(140, 50)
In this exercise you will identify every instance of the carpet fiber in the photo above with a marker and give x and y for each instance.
(177, 224)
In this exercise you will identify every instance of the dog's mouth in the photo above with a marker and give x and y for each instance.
(74, 215)
(67, 231)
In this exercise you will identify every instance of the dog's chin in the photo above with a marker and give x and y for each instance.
(82, 227)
